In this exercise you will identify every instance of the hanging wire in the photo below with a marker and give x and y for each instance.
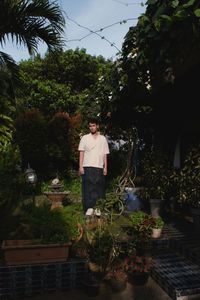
(96, 32)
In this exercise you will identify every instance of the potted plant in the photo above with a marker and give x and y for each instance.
(157, 227)
(117, 279)
(138, 268)
(101, 250)
(155, 169)
(189, 183)
(44, 235)
(140, 231)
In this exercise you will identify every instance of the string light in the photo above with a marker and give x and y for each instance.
(96, 32)
(131, 3)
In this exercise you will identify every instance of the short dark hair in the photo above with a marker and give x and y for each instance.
(93, 120)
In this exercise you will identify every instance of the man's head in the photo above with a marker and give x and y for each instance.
(93, 125)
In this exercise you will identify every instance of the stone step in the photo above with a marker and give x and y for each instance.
(176, 275)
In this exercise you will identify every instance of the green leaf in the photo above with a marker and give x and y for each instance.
(142, 20)
(190, 3)
(181, 14)
(166, 17)
(157, 25)
(175, 3)
(197, 12)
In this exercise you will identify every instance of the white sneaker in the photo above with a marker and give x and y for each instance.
(97, 212)
(89, 212)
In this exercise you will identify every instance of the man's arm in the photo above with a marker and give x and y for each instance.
(105, 165)
(81, 157)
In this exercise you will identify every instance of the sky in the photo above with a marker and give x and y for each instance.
(94, 15)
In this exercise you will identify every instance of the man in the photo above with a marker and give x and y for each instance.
(93, 149)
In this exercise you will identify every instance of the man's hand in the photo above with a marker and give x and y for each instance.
(104, 171)
(81, 171)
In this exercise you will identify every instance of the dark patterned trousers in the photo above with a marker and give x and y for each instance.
(93, 186)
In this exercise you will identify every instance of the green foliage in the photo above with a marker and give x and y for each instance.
(6, 131)
(189, 178)
(58, 225)
(47, 95)
(61, 81)
(75, 216)
(141, 229)
(155, 171)
(73, 185)
(12, 181)
(31, 136)
(159, 223)
(30, 22)
(147, 43)
(58, 145)
(103, 247)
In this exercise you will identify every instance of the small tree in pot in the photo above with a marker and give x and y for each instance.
(155, 169)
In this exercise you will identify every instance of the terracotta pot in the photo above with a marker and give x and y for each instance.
(20, 252)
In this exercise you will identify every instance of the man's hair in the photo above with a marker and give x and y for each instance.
(93, 120)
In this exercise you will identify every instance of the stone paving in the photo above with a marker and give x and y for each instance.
(150, 291)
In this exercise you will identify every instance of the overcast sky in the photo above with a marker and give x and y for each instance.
(95, 15)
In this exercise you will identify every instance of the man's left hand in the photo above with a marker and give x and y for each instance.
(104, 171)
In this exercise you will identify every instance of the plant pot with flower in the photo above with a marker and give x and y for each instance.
(140, 232)
(157, 227)
(138, 269)
(117, 280)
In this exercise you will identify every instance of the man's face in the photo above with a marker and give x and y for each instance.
(93, 127)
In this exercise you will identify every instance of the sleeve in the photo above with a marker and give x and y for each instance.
(81, 146)
(106, 147)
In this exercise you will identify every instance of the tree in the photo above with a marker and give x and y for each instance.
(160, 56)
(27, 22)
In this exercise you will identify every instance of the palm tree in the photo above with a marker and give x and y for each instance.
(27, 22)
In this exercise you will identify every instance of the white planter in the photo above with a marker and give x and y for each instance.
(156, 233)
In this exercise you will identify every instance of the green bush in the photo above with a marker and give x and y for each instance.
(48, 225)
(12, 181)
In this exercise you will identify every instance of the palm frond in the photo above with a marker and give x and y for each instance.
(6, 130)
(9, 74)
(28, 21)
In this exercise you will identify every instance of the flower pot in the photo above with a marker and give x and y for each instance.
(156, 233)
(139, 278)
(117, 285)
(20, 252)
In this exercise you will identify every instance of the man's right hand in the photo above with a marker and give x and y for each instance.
(81, 171)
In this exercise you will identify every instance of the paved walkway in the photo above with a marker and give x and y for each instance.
(150, 291)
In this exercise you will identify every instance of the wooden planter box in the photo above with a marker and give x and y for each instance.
(21, 252)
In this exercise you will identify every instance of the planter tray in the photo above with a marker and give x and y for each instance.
(20, 252)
